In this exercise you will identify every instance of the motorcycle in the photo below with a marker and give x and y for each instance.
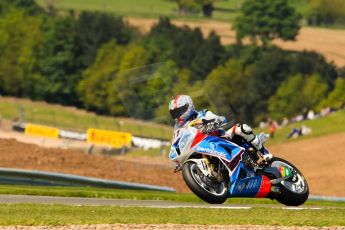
(216, 169)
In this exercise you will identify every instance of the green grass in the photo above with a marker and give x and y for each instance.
(79, 120)
(135, 195)
(225, 10)
(331, 124)
(33, 214)
(140, 8)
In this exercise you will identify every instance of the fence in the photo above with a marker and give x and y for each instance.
(77, 120)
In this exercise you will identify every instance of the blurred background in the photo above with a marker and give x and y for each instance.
(278, 65)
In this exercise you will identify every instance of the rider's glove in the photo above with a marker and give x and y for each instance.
(209, 126)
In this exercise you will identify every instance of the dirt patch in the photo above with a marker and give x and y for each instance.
(330, 43)
(14, 154)
(322, 160)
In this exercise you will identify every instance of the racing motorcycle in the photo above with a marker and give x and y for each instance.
(216, 169)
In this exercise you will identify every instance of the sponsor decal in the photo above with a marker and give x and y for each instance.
(285, 171)
(212, 146)
(241, 186)
(253, 183)
(41, 131)
(247, 187)
(110, 138)
(209, 150)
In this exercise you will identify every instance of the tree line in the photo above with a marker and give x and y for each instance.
(98, 62)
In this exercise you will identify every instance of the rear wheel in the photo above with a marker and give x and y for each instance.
(203, 186)
(294, 191)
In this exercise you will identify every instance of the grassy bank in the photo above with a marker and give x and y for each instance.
(32, 214)
(76, 119)
(224, 10)
(331, 124)
(134, 194)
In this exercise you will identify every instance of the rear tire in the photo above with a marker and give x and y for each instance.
(287, 196)
(196, 182)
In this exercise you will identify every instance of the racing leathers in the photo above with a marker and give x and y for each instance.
(241, 130)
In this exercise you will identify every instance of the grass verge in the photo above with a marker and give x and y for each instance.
(135, 195)
(32, 214)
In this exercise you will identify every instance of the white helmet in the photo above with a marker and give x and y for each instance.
(181, 107)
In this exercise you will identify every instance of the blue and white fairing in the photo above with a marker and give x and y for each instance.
(190, 141)
(218, 147)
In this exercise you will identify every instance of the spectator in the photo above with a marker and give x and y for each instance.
(296, 132)
(285, 121)
(272, 127)
(325, 111)
(262, 124)
(311, 115)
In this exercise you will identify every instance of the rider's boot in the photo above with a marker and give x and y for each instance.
(262, 137)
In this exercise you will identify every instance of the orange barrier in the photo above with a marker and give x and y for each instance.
(110, 138)
(42, 131)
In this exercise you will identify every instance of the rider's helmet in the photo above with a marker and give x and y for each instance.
(181, 108)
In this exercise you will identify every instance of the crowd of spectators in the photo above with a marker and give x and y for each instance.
(297, 131)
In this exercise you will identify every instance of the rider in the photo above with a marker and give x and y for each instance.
(182, 110)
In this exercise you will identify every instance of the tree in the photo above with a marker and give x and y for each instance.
(97, 79)
(288, 99)
(59, 60)
(208, 56)
(336, 98)
(128, 82)
(297, 94)
(29, 6)
(159, 87)
(314, 90)
(325, 12)
(186, 47)
(20, 38)
(195, 6)
(267, 20)
(226, 88)
(268, 71)
(309, 62)
(95, 29)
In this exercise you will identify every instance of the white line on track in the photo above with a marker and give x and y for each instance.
(79, 201)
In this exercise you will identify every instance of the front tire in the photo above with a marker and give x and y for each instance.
(293, 193)
(202, 186)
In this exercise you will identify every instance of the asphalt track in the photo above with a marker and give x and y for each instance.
(13, 199)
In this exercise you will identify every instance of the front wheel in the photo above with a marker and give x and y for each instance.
(203, 186)
(294, 191)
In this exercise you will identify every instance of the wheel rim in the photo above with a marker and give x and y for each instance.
(298, 185)
(217, 189)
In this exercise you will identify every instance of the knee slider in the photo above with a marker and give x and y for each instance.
(246, 129)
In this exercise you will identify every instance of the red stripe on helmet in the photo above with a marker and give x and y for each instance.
(175, 101)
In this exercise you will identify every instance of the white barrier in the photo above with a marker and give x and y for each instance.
(147, 143)
(72, 135)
